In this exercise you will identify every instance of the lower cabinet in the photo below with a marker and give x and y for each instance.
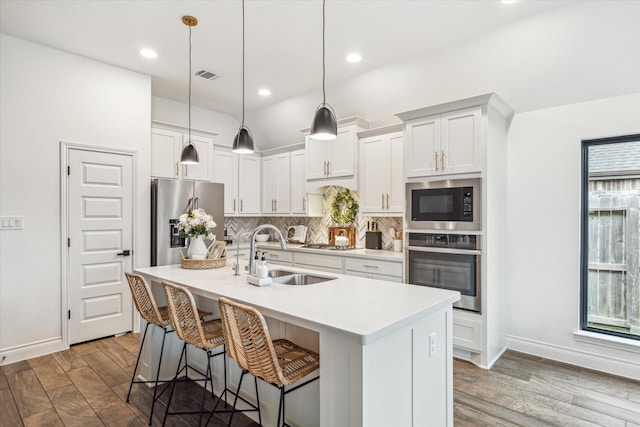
(467, 330)
(328, 263)
(373, 269)
(276, 257)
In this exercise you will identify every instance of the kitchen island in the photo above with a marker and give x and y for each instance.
(385, 348)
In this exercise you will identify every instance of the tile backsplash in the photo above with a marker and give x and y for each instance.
(318, 227)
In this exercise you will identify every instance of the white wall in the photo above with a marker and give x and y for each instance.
(176, 113)
(543, 213)
(50, 96)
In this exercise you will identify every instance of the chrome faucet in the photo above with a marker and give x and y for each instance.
(283, 244)
(236, 267)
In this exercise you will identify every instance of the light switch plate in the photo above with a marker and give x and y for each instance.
(12, 223)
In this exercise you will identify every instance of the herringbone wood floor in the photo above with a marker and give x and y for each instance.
(87, 386)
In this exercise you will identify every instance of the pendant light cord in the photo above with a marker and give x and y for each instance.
(190, 85)
(243, 63)
(324, 98)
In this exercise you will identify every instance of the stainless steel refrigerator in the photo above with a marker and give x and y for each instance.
(170, 198)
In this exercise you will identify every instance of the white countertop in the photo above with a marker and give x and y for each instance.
(358, 306)
(353, 253)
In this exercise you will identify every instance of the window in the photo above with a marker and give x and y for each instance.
(610, 270)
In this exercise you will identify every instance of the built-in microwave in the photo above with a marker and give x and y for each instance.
(444, 205)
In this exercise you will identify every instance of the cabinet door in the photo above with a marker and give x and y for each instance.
(461, 145)
(374, 174)
(268, 184)
(317, 157)
(298, 181)
(165, 146)
(202, 171)
(342, 153)
(249, 184)
(395, 202)
(422, 144)
(281, 180)
(225, 172)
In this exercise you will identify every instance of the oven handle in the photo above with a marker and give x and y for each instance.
(444, 250)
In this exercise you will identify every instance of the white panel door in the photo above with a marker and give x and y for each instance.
(268, 185)
(461, 147)
(423, 142)
(342, 151)
(396, 183)
(317, 154)
(100, 215)
(249, 184)
(165, 146)
(202, 171)
(298, 182)
(374, 173)
(282, 178)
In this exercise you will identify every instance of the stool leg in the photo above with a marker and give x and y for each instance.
(135, 369)
(236, 398)
(281, 407)
(255, 379)
(155, 390)
(173, 382)
(207, 377)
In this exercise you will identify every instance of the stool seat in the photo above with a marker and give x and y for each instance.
(296, 362)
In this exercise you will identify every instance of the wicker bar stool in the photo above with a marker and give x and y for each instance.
(154, 315)
(205, 335)
(278, 362)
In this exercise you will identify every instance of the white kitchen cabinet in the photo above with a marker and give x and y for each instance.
(276, 257)
(314, 261)
(302, 202)
(442, 144)
(240, 175)
(335, 162)
(166, 149)
(381, 174)
(276, 184)
(373, 269)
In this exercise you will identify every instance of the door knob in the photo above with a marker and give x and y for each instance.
(124, 253)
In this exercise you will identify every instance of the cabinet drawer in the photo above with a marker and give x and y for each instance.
(277, 256)
(388, 268)
(467, 333)
(397, 279)
(317, 260)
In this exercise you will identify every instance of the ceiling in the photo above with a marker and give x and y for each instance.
(283, 39)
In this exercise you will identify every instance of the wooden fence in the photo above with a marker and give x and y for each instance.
(614, 249)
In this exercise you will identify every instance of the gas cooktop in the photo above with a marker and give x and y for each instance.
(326, 246)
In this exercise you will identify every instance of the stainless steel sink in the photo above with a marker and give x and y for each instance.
(290, 278)
(280, 273)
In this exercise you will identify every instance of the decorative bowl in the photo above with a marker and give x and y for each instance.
(262, 237)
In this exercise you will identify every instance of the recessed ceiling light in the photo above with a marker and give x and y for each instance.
(508, 1)
(354, 57)
(264, 92)
(148, 53)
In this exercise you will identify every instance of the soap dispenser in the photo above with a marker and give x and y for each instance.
(263, 269)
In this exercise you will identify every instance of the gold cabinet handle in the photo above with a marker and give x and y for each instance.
(436, 161)
(370, 266)
(177, 168)
(234, 205)
(241, 205)
(382, 200)
(442, 160)
(328, 168)
(387, 200)
(304, 204)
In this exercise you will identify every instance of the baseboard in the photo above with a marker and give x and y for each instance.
(30, 350)
(572, 356)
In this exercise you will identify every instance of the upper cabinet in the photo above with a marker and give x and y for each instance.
(381, 175)
(335, 162)
(302, 202)
(275, 184)
(443, 144)
(240, 175)
(166, 149)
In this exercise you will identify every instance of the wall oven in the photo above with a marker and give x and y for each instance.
(444, 205)
(447, 261)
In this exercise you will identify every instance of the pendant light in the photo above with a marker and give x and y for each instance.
(243, 141)
(189, 152)
(324, 125)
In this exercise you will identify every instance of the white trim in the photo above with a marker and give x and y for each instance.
(619, 343)
(65, 147)
(31, 350)
(586, 359)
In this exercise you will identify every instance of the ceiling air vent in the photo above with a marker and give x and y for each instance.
(207, 75)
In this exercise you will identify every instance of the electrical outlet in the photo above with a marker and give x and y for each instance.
(432, 344)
